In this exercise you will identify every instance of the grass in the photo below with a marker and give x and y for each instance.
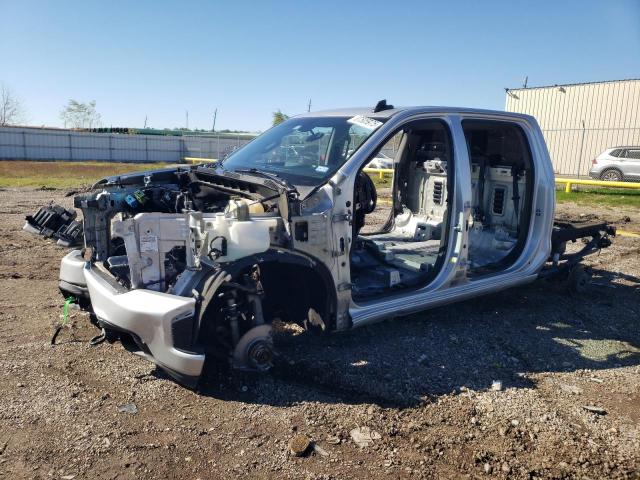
(74, 174)
(63, 174)
(612, 197)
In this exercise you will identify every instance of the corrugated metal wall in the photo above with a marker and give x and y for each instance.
(19, 143)
(580, 121)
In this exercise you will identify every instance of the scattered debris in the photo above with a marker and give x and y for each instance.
(128, 408)
(319, 450)
(594, 409)
(496, 385)
(299, 445)
(364, 436)
(333, 440)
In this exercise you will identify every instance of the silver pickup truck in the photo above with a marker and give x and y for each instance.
(197, 263)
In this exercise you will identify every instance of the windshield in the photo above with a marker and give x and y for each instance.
(304, 151)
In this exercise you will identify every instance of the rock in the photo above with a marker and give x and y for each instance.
(487, 468)
(364, 436)
(128, 408)
(299, 445)
(333, 439)
(571, 389)
(496, 385)
(594, 409)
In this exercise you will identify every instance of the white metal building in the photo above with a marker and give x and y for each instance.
(580, 120)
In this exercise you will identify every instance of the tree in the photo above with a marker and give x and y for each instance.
(11, 111)
(80, 115)
(279, 117)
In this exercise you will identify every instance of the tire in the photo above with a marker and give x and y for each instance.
(612, 175)
(579, 280)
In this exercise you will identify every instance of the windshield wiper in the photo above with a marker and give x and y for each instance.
(270, 175)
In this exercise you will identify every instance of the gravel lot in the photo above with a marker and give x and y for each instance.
(424, 383)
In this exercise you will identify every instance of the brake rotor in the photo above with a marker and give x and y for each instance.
(254, 350)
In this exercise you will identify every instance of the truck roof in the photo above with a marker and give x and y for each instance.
(385, 114)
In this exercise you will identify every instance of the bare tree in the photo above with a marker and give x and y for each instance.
(80, 115)
(11, 111)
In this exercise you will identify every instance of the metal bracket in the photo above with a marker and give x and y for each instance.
(342, 217)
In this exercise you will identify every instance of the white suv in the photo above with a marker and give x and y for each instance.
(617, 164)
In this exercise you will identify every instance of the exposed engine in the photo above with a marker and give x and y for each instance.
(182, 232)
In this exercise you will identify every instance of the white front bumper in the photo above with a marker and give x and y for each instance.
(148, 315)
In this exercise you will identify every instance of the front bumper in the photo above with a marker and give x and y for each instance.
(146, 315)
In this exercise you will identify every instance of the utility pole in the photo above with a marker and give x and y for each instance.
(215, 114)
(309, 106)
(187, 115)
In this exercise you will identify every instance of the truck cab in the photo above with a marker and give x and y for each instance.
(199, 263)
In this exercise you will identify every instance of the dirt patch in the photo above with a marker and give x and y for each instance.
(428, 384)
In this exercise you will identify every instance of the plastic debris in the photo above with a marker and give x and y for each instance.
(364, 436)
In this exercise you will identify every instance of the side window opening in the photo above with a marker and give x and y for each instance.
(406, 250)
(501, 185)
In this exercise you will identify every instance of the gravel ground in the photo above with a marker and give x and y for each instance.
(494, 388)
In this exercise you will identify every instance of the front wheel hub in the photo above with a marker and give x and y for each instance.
(254, 350)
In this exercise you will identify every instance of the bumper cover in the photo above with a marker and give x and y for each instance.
(148, 315)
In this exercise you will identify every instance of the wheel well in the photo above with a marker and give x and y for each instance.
(292, 289)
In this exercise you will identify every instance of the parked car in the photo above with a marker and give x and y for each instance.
(617, 164)
(195, 262)
(381, 161)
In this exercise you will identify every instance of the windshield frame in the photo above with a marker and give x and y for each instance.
(347, 134)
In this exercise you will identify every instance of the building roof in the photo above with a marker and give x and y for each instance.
(574, 84)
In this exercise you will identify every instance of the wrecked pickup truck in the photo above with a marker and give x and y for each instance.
(195, 263)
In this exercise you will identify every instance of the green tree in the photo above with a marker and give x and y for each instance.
(80, 115)
(279, 117)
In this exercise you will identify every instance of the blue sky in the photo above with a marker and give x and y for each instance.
(158, 59)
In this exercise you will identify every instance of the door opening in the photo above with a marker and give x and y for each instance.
(401, 230)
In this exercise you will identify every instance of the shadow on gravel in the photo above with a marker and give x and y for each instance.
(501, 337)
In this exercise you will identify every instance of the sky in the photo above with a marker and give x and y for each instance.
(158, 59)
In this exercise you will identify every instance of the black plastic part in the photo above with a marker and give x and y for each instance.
(70, 235)
(382, 105)
(50, 219)
(301, 231)
(182, 331)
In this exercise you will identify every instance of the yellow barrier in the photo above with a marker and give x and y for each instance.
(595, 183)
(381, 172)
(199, 160)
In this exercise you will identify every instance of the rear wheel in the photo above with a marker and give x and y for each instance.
(579, 279)
(612, 175)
